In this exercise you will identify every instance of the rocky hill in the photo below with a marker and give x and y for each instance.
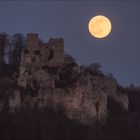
(47, 78)
(46, 95)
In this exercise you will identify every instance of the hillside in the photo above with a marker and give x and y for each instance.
(45, 94)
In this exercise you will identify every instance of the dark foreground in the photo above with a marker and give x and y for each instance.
(47, 125)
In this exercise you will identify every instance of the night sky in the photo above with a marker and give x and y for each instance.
(118, 53)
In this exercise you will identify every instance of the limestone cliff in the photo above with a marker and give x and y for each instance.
(49, 79)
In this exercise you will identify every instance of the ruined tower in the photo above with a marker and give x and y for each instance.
(38, 54)
(32, 41)
(57, 47)
(50, 53)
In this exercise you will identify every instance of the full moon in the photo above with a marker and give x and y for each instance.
(99, 26)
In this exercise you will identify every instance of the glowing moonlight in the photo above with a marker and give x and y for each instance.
(99, 26)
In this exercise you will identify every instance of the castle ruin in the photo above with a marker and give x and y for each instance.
(46, 79)
(40, 53)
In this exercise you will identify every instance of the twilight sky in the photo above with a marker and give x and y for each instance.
(119, 53)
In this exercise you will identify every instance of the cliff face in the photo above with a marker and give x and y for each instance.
(47, 79)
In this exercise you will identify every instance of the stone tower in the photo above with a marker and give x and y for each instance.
(32, 41)
(57, 46)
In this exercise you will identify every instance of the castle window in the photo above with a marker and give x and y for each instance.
(37, 52)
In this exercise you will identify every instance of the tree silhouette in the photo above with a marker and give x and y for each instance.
(19, 42)
(13, 48)
(3, 38)
(94, 69)
(69, 58)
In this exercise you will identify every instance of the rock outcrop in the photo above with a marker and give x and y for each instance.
(48, 79)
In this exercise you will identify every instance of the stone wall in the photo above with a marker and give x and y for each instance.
(57, 47)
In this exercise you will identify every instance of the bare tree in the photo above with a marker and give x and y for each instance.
(69, 58)
(94, 68)
(18, 40)
(3, 37)
(110, 75)
(13, 48)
